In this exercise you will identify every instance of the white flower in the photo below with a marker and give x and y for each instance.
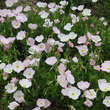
(32, 26)
(16, 24)
(64, 60)
(82, 40)
(9, 3)
(51, 41)
(41, 46)
(86, 12)
(61, 79)
(75, 59)
(27, 8)
(103, 85)
(28, 73)
(51, 60)
(72, 35)
(70, 77)
(35, 61)
(48, 23)
(106, 101)
(105, 66)
(21, 35)
(71, 92)
(105, 23)
(19, 9)
(21, 17)
(63, 37)
(41, 4)
(68, 27)
(8, 68)
(83, 50)
(101, 19)
(10, 88)
(90, 94)
(13, 105)
(19, 96)
(25, 83)
(63, 3)
(80, 7)
(18, 66)
(34, 49)
(96, 38)
(83, 85)
(39, 38)
(43, 14)
(94, 0)
(65, 91)
(37, 108)
(74, 93)
(74, 8)
(2, 65)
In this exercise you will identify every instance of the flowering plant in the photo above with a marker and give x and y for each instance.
(51, 59)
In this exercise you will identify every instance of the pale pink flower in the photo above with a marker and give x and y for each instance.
(30, 41)
(9, 3)
(32, 26)
(89, 35)
(51, 41)
(5, 76)
(84, 18)
(48, 48)
(57, 21)
(2, 20)
(16, 24)
(90, 94)
(98, 32)
(6, 47)
(82, 40)
(51, 5)
(105, 66)
(62, 12)
(98, 44)
(14, 80)
(37, 108)
(56, 30)
(83, 85)
(47, 103)
(60, 49)
(51, 60)
(92, 25)
(64, 60)
(59, 44)
(43, 103)
(92, 62)
(61, 68)
(69, 77)
(21, 35)
(88, 103)
(19, 9)
(21, 17)
(75, 59)
(14, 1)
(83, 50)
(41, 47)
(97, 67)
(27, 8)
(61, 79)
(65, 91)
(26, 62)
(6, 41)
(70, 44)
